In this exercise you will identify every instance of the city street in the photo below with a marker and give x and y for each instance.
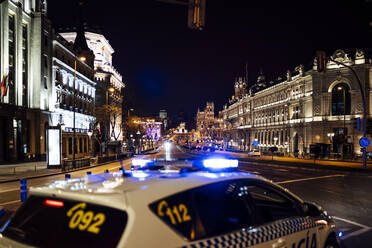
(345, 195)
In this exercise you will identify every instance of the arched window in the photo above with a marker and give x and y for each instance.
(340, 99)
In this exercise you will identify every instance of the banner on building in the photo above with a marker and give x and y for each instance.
(3, 85)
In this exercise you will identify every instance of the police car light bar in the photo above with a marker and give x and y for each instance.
(219, 163)
(141, 162)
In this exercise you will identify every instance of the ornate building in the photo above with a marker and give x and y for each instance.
(109, 84)
(73, 87)
(208, 127)
(306, 108)
(25, 66)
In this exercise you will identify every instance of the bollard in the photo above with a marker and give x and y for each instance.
(67, 176)
(89, 173)
(23, 190)
(106, 171)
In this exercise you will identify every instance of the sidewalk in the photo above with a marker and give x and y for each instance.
(15, 172)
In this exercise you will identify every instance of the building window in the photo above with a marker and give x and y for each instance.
(24, 65)
(45, 81)
(81, 145)
(11, 43)
(341, 101)
(75, 145)
(69, 145)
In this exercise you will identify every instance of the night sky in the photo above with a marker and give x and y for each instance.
(167, 66)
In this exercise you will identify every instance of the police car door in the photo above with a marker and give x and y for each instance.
(279, 219)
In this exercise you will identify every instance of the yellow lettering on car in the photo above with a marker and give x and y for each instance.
(85, 220)
(161, 205)
(177, 214)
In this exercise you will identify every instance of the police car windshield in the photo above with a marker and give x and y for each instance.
(50, 222)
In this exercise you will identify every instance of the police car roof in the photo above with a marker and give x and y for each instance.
(110, 188)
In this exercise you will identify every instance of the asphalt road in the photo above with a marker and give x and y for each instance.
(345, 195)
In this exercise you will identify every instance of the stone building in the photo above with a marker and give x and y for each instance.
(109, 86)
(208, 127)
(25, 59)
(306, 108)
(73, 88)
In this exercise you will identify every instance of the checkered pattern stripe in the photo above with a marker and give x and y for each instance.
(255, 236)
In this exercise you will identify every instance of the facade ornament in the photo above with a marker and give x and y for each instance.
(340, 56)
(301, 70)
(315, 64)
(359, 57)
(289, 76)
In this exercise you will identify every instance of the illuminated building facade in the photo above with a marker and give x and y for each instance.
(25, 58)
(152, 128)
(208, 127)
(306, 108)
(69, 92)
(109, 86)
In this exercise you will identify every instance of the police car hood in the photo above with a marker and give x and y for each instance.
(110, 189)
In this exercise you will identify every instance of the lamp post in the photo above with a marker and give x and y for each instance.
(138, 144)
(83, 59)
(130, 110)
(90, 133)
(344, 92)
(330, 135)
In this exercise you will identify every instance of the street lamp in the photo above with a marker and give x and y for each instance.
(139, 140)
(344, 131)
(83, 59)
(90, 133)
(331, 135)
(111, 90)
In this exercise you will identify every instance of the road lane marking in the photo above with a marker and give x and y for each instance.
(309, 178)
(351, 222)
(363, 229)
(11, 202)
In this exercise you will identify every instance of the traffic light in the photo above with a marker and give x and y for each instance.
(196, 16)
(321, 61)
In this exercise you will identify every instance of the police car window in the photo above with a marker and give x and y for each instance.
(270, 204)
(176, 211)
(50, 222)
(221, 208)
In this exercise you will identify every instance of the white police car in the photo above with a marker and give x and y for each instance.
(168, 209)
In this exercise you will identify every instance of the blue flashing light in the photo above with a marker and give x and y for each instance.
(141, 162)
(139, 174)
(340, 234)
(220, 163)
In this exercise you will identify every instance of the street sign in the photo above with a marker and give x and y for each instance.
(255, 143)
(364, 142)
